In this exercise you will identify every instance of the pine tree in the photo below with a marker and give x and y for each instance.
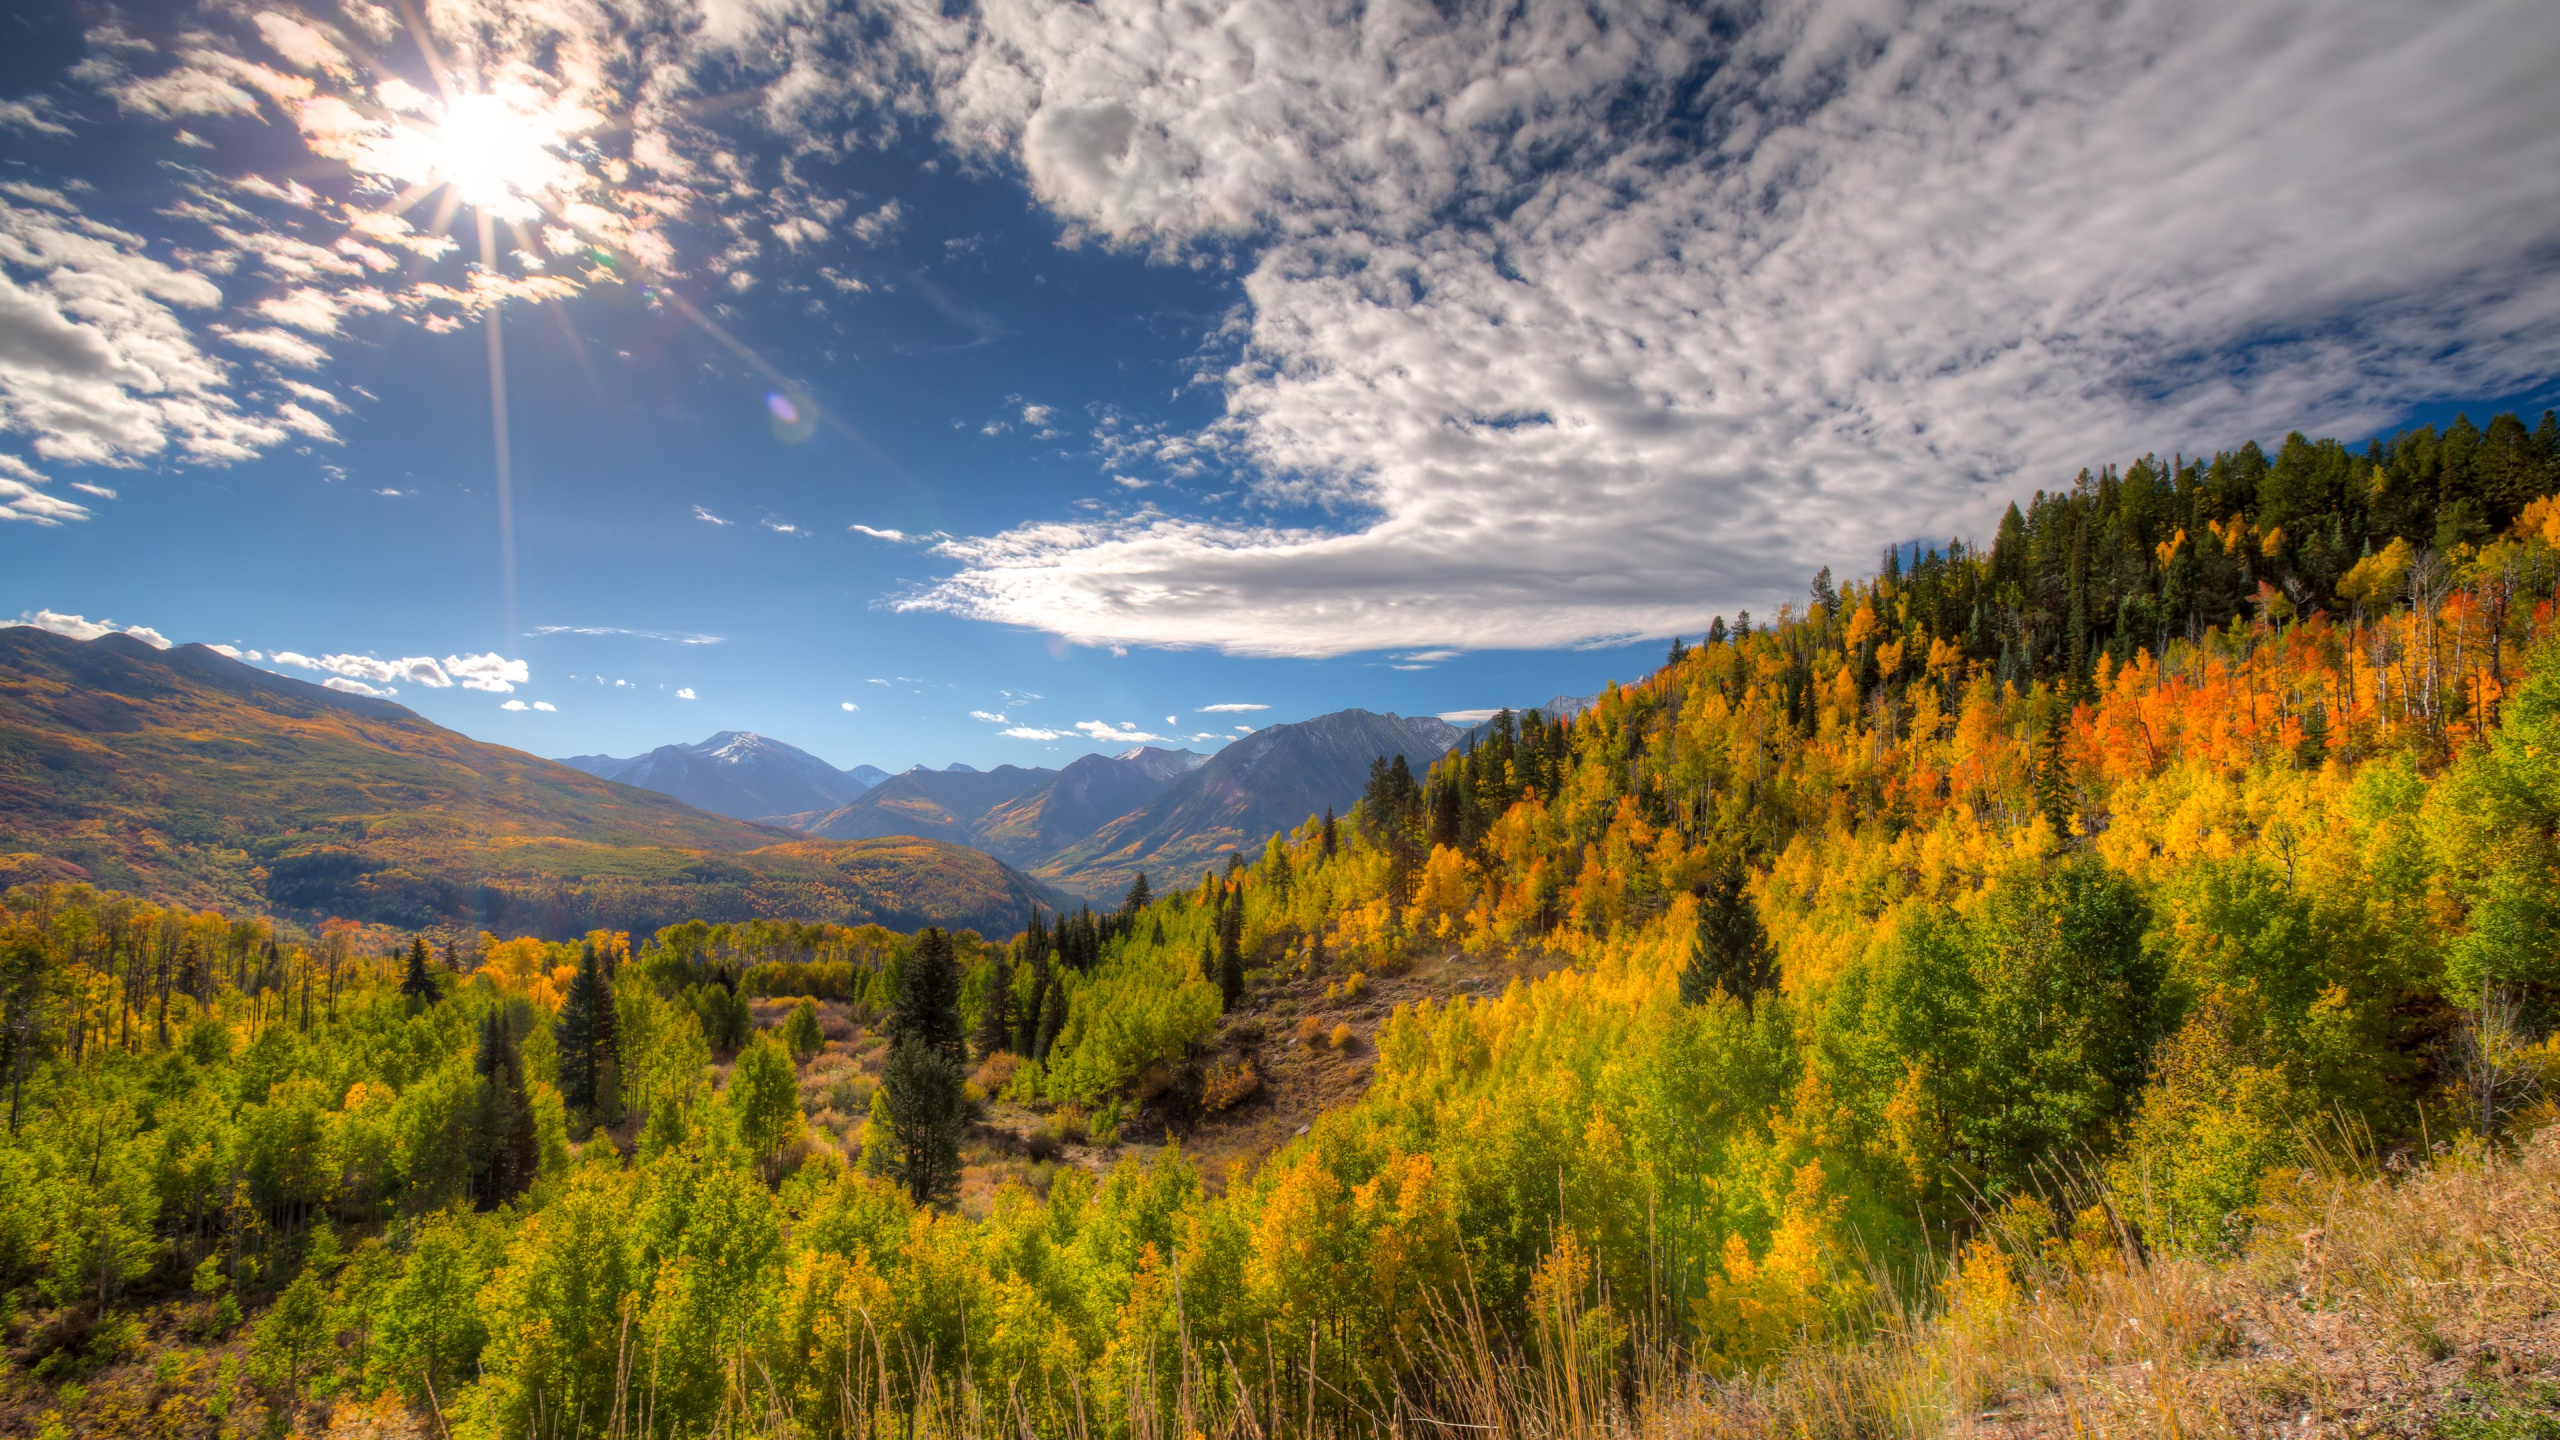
(1327, 840)
(416, 983)
(1732, 950)
(995, 1018)
(928, 1003)
(590, 1042)
(924, 1105)
(507, 1153)
(925, 1110)
(1053, 1018)
(1138, 898)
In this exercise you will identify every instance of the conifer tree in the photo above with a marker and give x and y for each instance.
(1732, 950)
(1326, 838)
(507, 1152)
(921, 1082)
(802, 1033)
(1053, 1018)
(416, 983)
(590, 1042)
(995, 1018)
(1138, 898)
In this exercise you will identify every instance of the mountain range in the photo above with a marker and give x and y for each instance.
(186, 775)
(737, 773)
(1091, 825)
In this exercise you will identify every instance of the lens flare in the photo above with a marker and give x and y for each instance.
(795, 416)
(503, 152)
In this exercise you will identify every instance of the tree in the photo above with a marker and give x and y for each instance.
(588, 1033)
(764, 1095)
(416, 983)
(1732, 952)
(995, 1018)
(507, 1150)
(925, 1110)
(1231, 949)
(801, 1032)
(928, 1003)
(290, 1334)
(1138, 898)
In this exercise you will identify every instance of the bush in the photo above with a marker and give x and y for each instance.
(1225, 1087)
(1310, 1030)
(1342, 1037)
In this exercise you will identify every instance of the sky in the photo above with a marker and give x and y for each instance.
(921, 383)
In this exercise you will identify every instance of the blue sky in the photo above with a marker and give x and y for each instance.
(1089, 368)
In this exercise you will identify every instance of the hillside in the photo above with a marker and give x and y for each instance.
(186, 774)
(736, 773)
(1257, 787)
(945, 805)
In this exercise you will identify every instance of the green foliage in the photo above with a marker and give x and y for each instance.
(800, 1033)
(921, 1103)
(764, 1100)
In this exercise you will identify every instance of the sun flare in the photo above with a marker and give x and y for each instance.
(502, 154)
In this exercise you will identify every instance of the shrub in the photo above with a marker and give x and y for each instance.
(1225, 1087)
(1310, 1030)
(1342, 1037)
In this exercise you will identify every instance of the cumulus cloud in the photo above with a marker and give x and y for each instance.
(1033, 732)
(1105, 733)
(849, 706)
(687, 694)
(513, 705)
(492, 672)
(1580, 323)
(546, 707)
(987, 716)
(78, 627)
(346, 686)
(1231, 708)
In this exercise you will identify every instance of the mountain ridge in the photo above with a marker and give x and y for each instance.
(185, 774)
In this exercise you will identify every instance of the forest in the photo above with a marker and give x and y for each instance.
(2006, 915)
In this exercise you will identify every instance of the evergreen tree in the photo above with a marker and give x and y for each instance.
(506, 1150)
(1053, 1018)
(925, 1110)
(1326, 838)
(928, 1003)
(1137, 899)
(921, 1083)
(995, 1018)
(1732, 950)
(416, 983)
(589, 1041)
(1231, 954)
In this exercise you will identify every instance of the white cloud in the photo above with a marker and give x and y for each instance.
(81, 628)
(670, 637)
(1231, 708)
(1035, 414)
(989, 718)
(1244, 729)
(687, 694)
(708, 518)
(491, 672)
(228, 652)
(546, 707)
(357, 687)
(414, 669)
(513, 705)
(281, 346)
(1030, 732)
(850, 706)
(1469, 717)
(1105, 733)
(1557, 371)
(893, 535)
(779, 528)
(85, 488)
(1173, 719)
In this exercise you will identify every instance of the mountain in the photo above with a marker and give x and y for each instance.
(187, 775)
(1267, 781)
(936, 804)
(737, 773)
(1087, 795)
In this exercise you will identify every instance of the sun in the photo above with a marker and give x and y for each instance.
(500, 153)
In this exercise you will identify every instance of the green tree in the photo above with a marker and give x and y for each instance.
(416, 982)
(1732, 952)
(995, 1018)
(764, 1096)
(290, 1335)
(925, 1110)
(589, 1040)
(508, 1149)
(801, 1032)
(428, 1331)
(928, 1003)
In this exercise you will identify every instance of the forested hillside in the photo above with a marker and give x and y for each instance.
(185, 775)
(1968, 940)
